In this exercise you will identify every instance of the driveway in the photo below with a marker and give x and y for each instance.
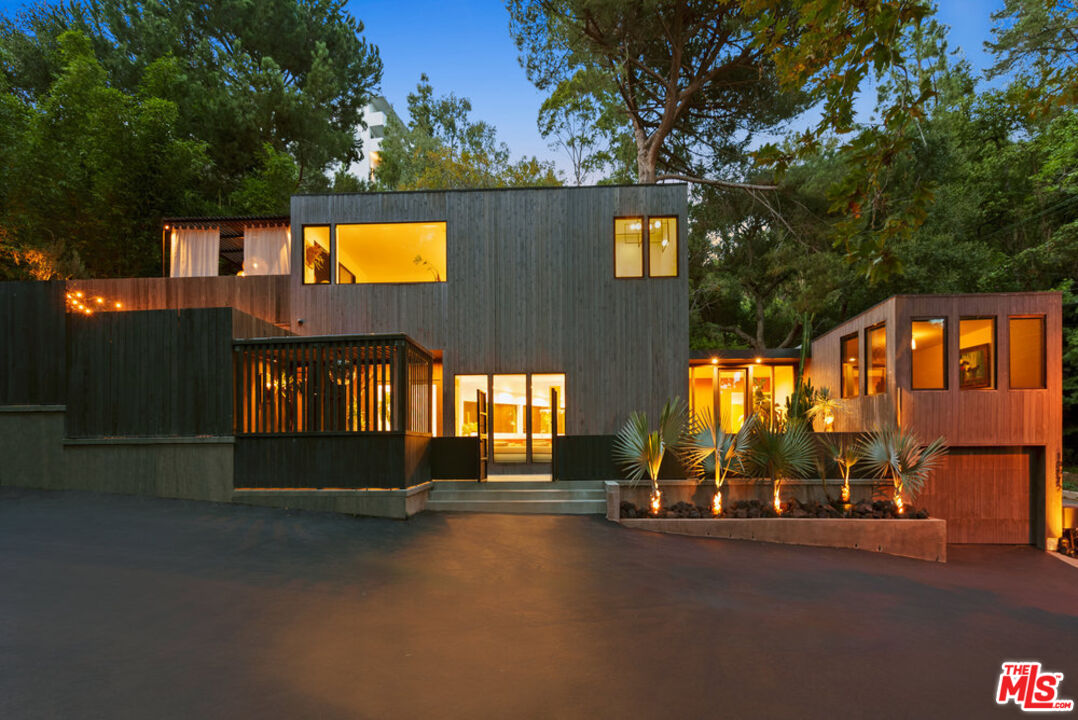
(126, 607)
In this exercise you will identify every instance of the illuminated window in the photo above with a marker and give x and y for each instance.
(662, 247)
(316, 254)
(876, 342)
(976, 353)
(1027, 354)
(542, 417)
(784, 387)
(928, 350)
(391, 253)
(702, 390)
(851, 366)
(467, 415)
(628, 247)
(507, 420)
(732, 391)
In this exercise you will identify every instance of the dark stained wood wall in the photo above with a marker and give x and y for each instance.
(353, 460)
(530, 287)
(153, 373)
(263, 296)
(32, 333)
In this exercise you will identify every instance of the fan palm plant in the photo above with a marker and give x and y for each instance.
(639, 450)
(900, 457)
(714, 450)
(781, 454)
(845, 454)
(825, 407)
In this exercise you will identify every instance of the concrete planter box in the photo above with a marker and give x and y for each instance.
(920, 539)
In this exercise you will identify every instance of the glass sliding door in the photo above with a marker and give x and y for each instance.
(733, 386)
(467, 412)
(509, 396)
(542, 415)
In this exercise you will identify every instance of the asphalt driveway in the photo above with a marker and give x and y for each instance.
(123, 607)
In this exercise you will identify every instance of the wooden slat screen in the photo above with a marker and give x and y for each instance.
(341, 384)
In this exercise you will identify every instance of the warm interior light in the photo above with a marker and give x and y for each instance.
(656, 502)
(913, 343)
(714, 361)
(716, 503)
(758, 361)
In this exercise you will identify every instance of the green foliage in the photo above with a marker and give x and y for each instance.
(1038, 41)
(711, 449)
(639, 450)
(443, 148)
(899, 456)
(115, 113)
(781, 454)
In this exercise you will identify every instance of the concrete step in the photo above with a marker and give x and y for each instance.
(506, 494)
(520, 507)
(518, 485)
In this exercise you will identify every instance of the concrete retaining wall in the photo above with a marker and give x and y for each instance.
(691, 491)
(34, 453)
(920, 539)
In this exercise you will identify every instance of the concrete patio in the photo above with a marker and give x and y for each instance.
(129, 607)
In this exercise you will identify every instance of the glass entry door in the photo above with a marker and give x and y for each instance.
(521, 416)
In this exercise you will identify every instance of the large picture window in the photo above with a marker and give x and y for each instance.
(928, 353)
(391, 253)
(977, 353)
(629, 247)
(1027, 356)
(662, 245)
(876, 356)
(851, 366)
(316, 254)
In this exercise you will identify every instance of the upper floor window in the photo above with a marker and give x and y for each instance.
(876, 356)
(1027, 354)
(316, 264)
(629, 247)
(928, 354)
(662, 244)
(661, 239)
(391, 253)
(976, 353)
(851, 369)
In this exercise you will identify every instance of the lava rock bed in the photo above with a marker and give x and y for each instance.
(879, 509)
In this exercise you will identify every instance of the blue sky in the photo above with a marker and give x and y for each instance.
(465, 48)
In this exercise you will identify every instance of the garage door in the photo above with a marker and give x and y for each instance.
(984, 494)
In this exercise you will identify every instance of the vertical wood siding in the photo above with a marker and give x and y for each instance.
(530, 287)
(32, 338)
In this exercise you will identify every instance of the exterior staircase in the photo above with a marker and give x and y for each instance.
(535, 498)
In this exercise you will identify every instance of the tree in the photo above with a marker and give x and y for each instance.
(90, 170)
(1037, 40)
(442, 148)
(294, 75)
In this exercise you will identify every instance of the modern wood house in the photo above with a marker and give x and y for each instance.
(374, 342)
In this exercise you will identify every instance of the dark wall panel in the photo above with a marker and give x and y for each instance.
(454, 458)
(376, 460)
(32, 358)
(155, 373)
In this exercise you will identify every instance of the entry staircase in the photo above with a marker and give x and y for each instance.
(518, 497)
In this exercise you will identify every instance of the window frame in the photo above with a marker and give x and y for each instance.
(643, 246)
(333, 254)
(842, 364)
(881, 325)
(946, 352)
(303, 254)
(995, 350)
(677, 241)
(1044, 351)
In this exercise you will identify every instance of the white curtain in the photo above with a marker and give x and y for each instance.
(195, 252)
(266, 250)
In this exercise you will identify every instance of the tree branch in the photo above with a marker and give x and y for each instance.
(712, 181)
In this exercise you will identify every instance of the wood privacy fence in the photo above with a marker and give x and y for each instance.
(33, 365)
(332, 384)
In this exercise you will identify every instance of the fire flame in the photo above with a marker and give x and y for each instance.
(656, 502)
(898, 503)
(846, 493)
(716, 503)
(778, 502)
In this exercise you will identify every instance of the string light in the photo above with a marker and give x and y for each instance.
(78, 302)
